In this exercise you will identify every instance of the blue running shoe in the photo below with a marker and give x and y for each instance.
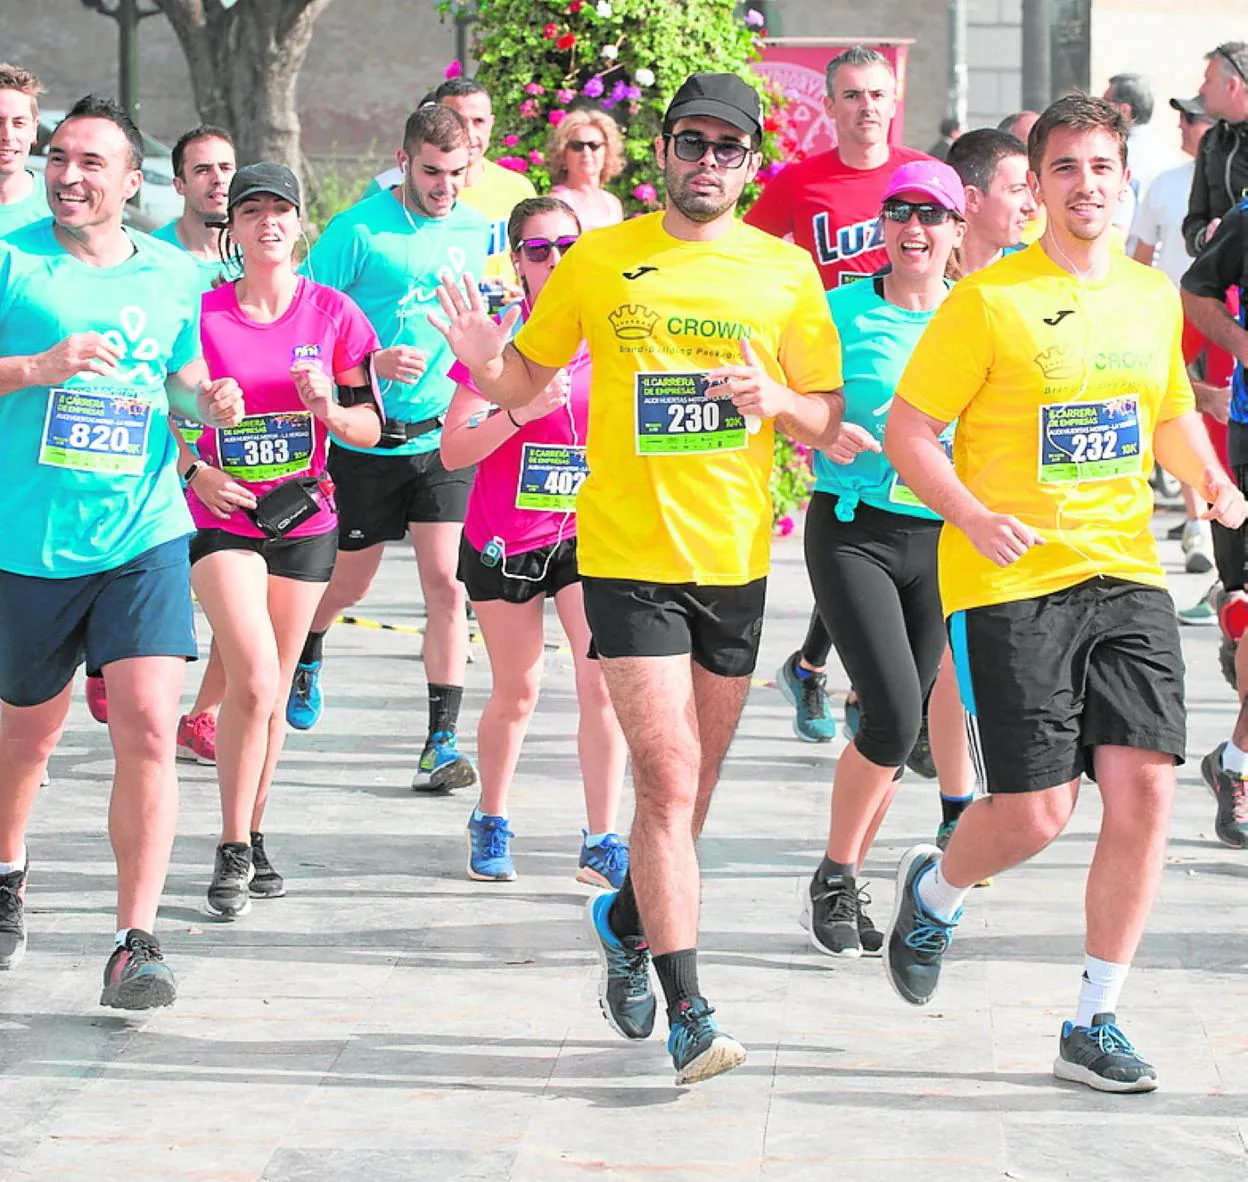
(1101, 1056)
(916, 940)
(605, 864)
(444, 765)
(624, 991)
(698, 1047)
(306, 703)
(136, 977)
(853, 718)
(489, 849)
(813, 721)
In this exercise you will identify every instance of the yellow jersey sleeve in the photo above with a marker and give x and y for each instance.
(1179, 398)
(553, 333)
(951, 361)
(810, 348)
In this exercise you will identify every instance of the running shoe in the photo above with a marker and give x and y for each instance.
(228, 894)
(136, 976)
(869, 936)
(1230, 790)
(306, 703)
(1204, 612)
(489, 849)
(698, 1047)
(916, 940)
(97, 699)
(830, 915)
(1197, 548)
(920, 759)
(1175, 532)
(605, 864)
(197, 737)
(813, 721)
(442, 766)
(853, 717)
(13, 918)
(265, 883)
(624, 990)
(1102, 1057)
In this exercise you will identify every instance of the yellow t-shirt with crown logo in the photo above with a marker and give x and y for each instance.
(1057, 386)
(677, 490)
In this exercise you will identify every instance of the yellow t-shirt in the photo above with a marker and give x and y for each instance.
(1057, 387)
(678, 489)
(494, 197)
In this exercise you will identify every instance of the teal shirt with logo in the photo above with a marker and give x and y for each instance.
(90, 480)
(31, 208)
(390, 262)
(210, 270)
(877, 338)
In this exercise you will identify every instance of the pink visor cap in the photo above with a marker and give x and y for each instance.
(933, 179)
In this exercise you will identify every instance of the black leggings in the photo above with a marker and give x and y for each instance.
(875, 586)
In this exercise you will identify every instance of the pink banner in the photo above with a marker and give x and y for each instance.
(796, 65)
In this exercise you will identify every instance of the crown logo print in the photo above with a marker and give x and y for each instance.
(633, 322)
(1057, 363)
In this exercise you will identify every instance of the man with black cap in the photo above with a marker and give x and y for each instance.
(705, 336)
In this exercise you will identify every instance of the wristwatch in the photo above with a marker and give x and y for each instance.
(191, 473)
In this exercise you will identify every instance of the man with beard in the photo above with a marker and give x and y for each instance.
(388, 253)
(705, 336)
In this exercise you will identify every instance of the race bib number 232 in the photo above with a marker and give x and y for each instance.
(1082, 441)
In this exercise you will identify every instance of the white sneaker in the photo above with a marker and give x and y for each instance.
(1197, 544)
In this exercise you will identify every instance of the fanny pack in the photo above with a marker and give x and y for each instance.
(287, 506)
(396, 432)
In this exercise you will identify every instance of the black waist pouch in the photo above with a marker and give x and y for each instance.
(286, 507)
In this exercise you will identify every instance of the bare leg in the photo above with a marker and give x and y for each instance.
(719, 702)
(861, 792)
(446, 637)
(599, 740)
(946, 727)
(28, 736)
(514, 640)
(354, 571)
(212, 686)
(143, 810)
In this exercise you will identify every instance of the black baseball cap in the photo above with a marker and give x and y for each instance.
(719, 96)
(266, 177)
(1193, 108)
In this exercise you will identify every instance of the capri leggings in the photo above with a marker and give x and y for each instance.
(875, 586)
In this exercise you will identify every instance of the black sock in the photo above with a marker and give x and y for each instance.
(444, 703)
(678, 974)
(829, 870)
(623, 917)
(952, 807)
(313, 647)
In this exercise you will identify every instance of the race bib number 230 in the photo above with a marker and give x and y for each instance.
(1082, 441)
(676, 417)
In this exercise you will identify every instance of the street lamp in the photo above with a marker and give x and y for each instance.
(127, 14)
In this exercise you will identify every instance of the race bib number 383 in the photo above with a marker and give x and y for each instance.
(675, 417)
(96, 431)
(267, 447)
(1089, 440)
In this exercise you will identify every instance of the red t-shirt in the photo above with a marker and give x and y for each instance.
(832, 210)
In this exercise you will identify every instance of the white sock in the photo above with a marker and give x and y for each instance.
(1233, 759)
(14, 867)
(1102, 983)
(121, 936)
(941, 898)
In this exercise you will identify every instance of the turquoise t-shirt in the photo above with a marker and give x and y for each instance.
(210, 270)
(390, 262)
(89, 474)
(32, 208)
(877, 339)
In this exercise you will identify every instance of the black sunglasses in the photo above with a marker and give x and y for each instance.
(691, 147)
(929, 215)
(581, 145)
(1230, 57)
(537, 250)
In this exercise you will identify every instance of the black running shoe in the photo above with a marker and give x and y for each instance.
(920, 759)
(265, 883)
(869, 936)
(916, 940)
(12, 918)
(136, 976)
(624, 990)
(228, 896)
(830, 915)
(1101, 1056)
(1231, 793)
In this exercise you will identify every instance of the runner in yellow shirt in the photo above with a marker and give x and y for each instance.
(705, 336)
(1062, 365)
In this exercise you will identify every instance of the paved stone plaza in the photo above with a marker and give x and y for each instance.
(389, 1019)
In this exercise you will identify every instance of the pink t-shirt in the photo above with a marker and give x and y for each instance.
(592, 212)
(523, 490)
(280, 439)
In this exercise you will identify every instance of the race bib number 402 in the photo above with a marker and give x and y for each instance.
(267, 447)
(675, 417)
(1089, 440)
(550, 477)
(96, 431)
